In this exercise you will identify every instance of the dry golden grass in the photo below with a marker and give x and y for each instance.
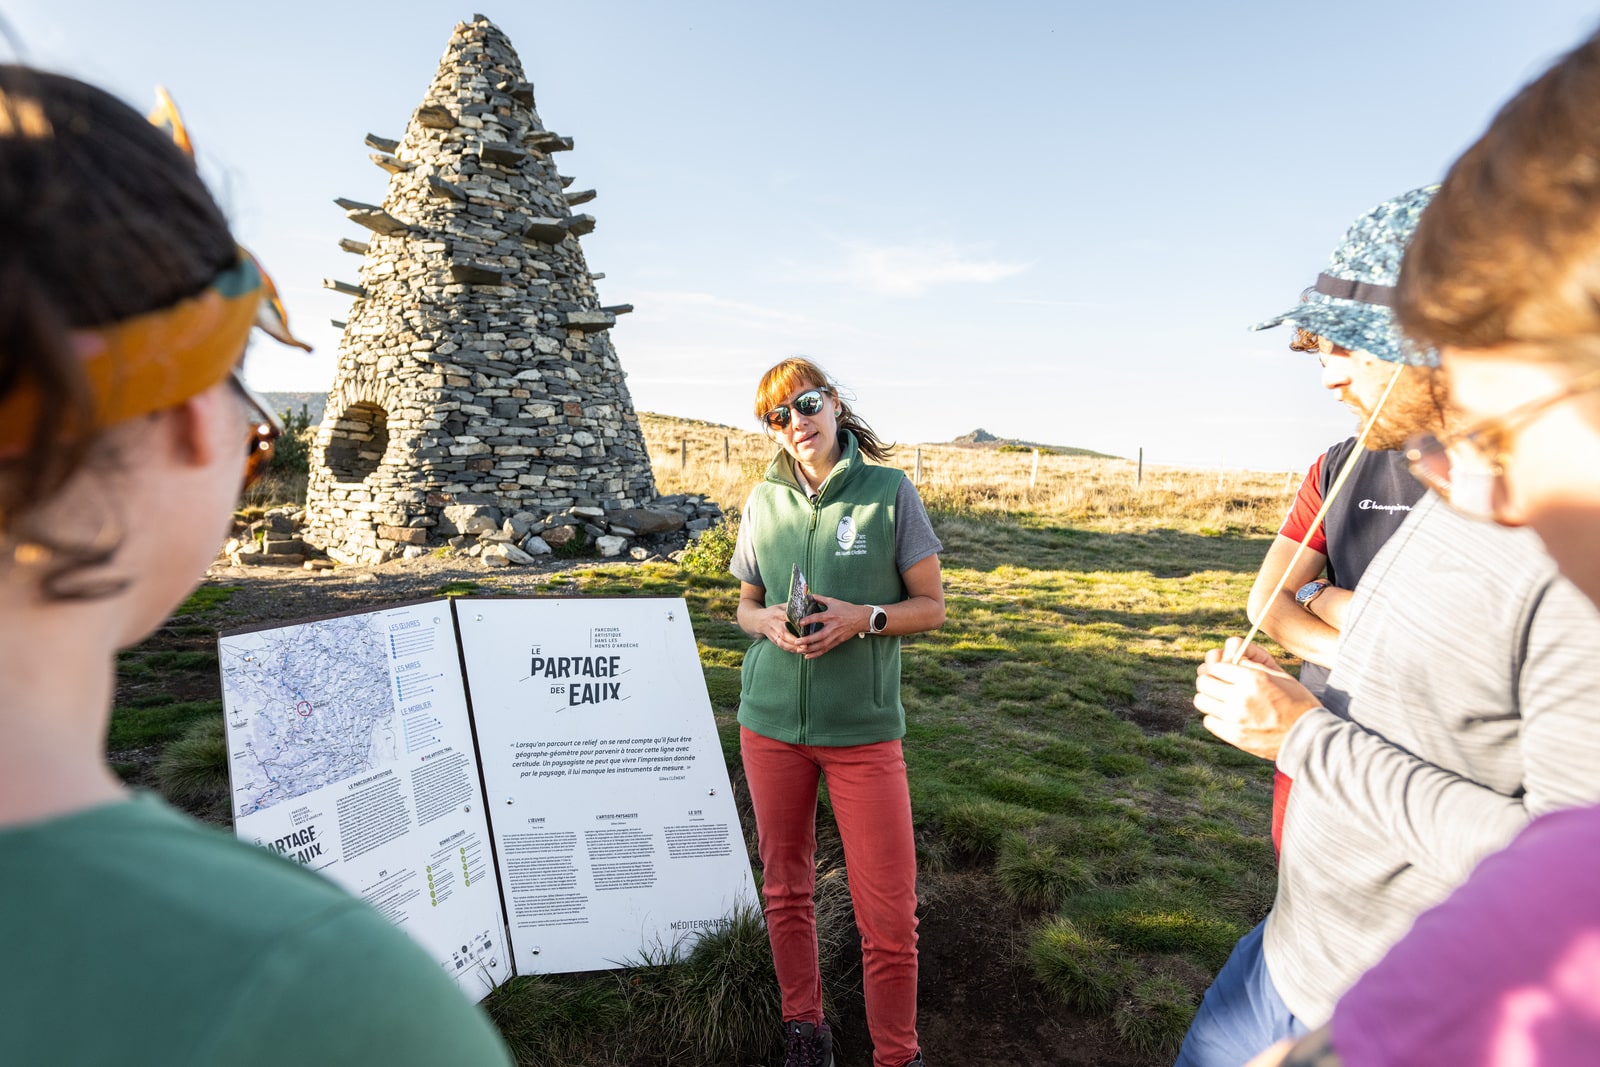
(724, 463)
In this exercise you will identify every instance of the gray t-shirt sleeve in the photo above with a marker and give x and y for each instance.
(743, 565)
(914, 539)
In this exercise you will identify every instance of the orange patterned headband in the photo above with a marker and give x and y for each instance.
(153, 361)
(159, 359)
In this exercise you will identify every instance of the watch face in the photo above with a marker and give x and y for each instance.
(880, 620)
(1307, 591)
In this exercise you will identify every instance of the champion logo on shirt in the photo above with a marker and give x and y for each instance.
(1372, 505)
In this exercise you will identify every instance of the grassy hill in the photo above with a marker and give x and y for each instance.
(293, 402)
(981, 438)
(1088, 854)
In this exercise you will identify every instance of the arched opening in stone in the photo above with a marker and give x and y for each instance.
(360, 438)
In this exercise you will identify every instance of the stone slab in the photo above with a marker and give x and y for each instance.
(406, 535)
(435, 117)
(346, 288)
(589, 321)
(440, 189)
(376, 220)
(646, 520)
(476, 274)
(546, 230)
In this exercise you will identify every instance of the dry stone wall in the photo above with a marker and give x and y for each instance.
(476, 367)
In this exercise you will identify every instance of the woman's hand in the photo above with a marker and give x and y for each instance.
(773, 624)
(838, 623)
(1251, 704)
(758, 620)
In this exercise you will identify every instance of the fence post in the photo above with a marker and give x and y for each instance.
(683, 453)
(916, 475)
(1033, 479)
(1138, 479)
(727, 450)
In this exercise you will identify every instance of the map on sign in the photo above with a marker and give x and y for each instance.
(308, 705)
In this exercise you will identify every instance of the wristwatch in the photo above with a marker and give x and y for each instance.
(1309, 592)
(877, 621)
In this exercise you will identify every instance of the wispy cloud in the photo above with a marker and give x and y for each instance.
(912, 269)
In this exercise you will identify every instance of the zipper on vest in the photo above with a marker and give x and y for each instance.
(805, 664)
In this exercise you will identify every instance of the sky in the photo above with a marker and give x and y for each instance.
(1055, 221)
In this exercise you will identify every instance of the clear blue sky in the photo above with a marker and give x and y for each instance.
(1052, 220)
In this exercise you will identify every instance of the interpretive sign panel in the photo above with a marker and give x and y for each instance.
(608, 834)
(613, 818)
(350, 751)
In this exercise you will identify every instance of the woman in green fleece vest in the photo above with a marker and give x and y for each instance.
(827, 702)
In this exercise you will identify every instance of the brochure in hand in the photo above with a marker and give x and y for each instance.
(801, 604)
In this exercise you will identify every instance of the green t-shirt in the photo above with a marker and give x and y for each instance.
(133, 935)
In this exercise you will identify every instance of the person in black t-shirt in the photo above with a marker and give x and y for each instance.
(1307, 616)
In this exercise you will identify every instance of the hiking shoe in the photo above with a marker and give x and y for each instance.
(807, 1045)
(915, 1061)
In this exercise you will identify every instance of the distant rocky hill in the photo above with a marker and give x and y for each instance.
(292, 402)
(981, 438)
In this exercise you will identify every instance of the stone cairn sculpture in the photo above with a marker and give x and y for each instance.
(476, 380)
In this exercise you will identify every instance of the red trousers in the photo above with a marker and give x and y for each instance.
(871, 803)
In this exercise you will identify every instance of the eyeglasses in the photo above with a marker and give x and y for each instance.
(808, 403)
(265, 429)
(1475, 488)
(1326, 350)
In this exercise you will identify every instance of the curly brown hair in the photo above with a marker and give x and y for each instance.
(1304, 341)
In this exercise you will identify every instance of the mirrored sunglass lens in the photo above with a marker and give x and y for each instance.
(778, 416)
(808, 404)
(262, 444)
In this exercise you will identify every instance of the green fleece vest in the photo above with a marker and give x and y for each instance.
(844, 544)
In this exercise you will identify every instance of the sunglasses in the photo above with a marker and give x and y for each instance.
(808, 403)
(1475, 487)
(265, 429)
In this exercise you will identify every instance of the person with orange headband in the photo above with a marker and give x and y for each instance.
(132, 934)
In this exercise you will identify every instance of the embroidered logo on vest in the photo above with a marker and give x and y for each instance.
(846, 533)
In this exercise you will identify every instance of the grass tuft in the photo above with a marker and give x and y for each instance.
(557, 1020)
(1038, 876)
(723, 995)
(205, 598)
(978, 827)
(193, 770)
(1084, 970)
(1155, 1015)
(135, 726)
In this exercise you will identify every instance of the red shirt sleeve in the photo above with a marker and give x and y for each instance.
(1280, 805)
(1307, 502)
